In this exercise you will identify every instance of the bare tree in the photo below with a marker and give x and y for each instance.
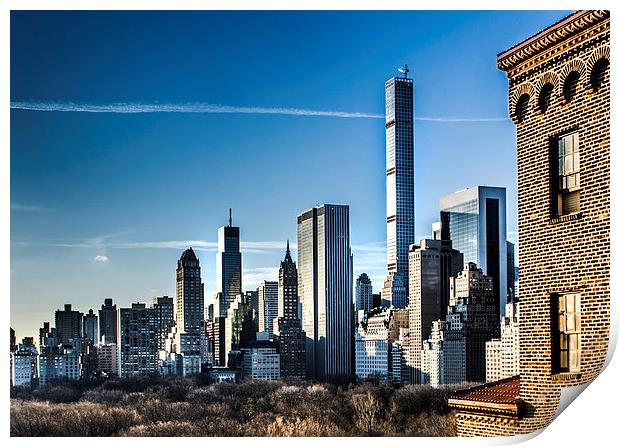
(366, 407)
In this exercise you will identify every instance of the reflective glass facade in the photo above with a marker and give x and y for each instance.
(399, 173)
(326, 289)
(474, 219)
(228, 268)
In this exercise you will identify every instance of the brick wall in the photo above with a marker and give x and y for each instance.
(565, 254)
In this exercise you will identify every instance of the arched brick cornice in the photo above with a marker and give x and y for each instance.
(550, 77)
(573, 65)
(601, 52)
(520, 90)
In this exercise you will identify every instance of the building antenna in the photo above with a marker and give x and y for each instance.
(230, 217)
(404, 70)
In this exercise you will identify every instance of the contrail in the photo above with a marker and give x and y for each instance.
(459, 120)
(203, 107)
(196, 107)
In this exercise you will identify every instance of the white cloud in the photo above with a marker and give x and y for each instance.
(253, 277)
(101, 258)
(375, 247)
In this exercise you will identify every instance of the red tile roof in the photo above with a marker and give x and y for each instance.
(500, 397)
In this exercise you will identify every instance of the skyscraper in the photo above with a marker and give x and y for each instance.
(137, 341)
(291, 338)
(43, 334)
(474, 219)
(326, 289)
(510, 272)
(363, 293)
(240, 329)
(399, 185)
(91, 326)
(267, 305)
(251, 297)
(228, 267)
(190, 312)
(107, 321)
(431, 264)
(472, 312)
(164, 318)
(68, 324)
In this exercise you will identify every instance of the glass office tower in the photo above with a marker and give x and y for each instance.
(474, 219)
(326, 291)
(399, 183)
(227, 267)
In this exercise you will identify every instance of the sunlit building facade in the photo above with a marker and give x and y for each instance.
(326, 291)
(399, 184)
(474, 219)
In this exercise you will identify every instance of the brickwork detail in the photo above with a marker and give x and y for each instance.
(558, 255)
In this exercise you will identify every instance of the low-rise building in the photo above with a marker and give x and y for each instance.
(261, 362)
(59, 362)
(381, 339)
(372, 347)
(24, 364)
(220, 374)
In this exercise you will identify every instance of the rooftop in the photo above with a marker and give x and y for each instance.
(548, 37)
(500, 397)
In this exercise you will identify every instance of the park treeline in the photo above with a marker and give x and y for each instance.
(182, 407)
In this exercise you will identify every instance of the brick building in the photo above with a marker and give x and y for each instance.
(559, 100)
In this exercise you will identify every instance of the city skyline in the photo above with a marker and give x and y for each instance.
(103, 250)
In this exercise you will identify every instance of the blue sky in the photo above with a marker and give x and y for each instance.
(102, 203)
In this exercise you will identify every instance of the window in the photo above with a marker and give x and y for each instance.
(598, 74)
(567, 349)
(570, 86)
(521, 108)
(544, 97)
(567, 182)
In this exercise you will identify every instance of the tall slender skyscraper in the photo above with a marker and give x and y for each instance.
(399, 185)
(326, 289)
(228, 267)
(108, 321)
(190, 313)
(190, 303)
(474, 219)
